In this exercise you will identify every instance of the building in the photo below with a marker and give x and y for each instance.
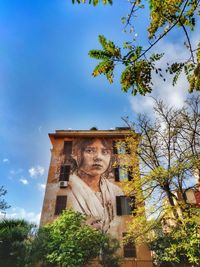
(82, 177)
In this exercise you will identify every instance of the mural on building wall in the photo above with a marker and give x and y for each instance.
(90, 189)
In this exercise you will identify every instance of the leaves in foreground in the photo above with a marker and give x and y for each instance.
(94, 2)
(67, 241)
(140, 62)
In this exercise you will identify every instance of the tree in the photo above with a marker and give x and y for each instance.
(108, 255)
(169, 152)
(141, 62)
(179, 245)
(38, 249)
(67, 241)
(3, 204)
(14, 235)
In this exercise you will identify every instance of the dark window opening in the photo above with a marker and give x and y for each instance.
(61, 202)
(116, 174)
(67, 148)
(129, 249)
(128, 151)
(125, 205)
(130, 176)
(115, 147)
(64, 172)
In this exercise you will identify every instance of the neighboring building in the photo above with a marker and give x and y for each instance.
(193, 197)
(82, 177)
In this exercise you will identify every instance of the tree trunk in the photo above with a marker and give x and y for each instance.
(171, 200)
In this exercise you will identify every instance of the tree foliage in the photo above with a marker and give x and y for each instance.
(140, 62)
(3, 204)
(14, 238)
(108, 254)
(168, 151)
(67, 241)
(179, 245)
(38, 249)
(94, 2)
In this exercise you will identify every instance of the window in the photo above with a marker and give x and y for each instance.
(128, 151)
(130, 177)
(116, 174)
(125, 205)
(64, 173)
(122, 174)
(129, 249)
(120, 147)
(114, 147)
(61, 202)
(67, 148)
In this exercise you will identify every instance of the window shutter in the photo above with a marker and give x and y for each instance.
(126, 208)
(116, 174)
(127, 149)
(129, 249)
(67, 148)
(133, 204)
(115, 148)
(64, 172)
(123, 205)
(118, 203)
(197, 197)
(61, 202)
(130, 175)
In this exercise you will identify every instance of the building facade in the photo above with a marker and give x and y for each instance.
(83, 175)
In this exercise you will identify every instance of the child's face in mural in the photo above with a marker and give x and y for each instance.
(96, 158)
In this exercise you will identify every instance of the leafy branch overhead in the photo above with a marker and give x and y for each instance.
(140, 62)
(94, 2)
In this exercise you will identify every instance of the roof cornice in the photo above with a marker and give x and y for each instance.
(90, 133)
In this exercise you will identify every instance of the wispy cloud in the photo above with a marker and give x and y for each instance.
(5, 160)
(171, 95)
(23, 181)
(15, 172)
(40, 129)
(36, 171)
(41, 187)
(21, 213)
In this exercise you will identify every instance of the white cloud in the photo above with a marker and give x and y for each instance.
(5, 160)
(23, 181)
(41, 187)
(18, 171)
(36, 171)
(21, 213)
(171, 95)
(141, 104)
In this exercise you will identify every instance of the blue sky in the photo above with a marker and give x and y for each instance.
(46, 84)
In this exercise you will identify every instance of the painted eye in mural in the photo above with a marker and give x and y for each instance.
(89, 150)
(106, 152)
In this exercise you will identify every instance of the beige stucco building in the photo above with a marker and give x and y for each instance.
(82, 177)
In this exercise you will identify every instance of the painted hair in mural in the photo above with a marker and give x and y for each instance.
(91, 191)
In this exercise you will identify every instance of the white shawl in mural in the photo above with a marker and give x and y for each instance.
(100, 210)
